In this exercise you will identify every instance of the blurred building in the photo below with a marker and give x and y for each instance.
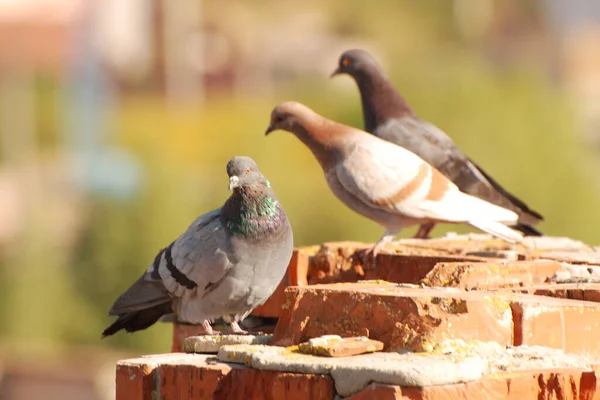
(561, 39)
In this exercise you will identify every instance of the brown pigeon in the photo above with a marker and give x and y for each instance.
(388, 116)
(384, 182)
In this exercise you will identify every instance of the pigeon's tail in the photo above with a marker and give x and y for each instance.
(138, 320)
(527, 230)
(499, 230)
(527, 216)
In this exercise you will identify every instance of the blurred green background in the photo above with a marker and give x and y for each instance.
(111, 145)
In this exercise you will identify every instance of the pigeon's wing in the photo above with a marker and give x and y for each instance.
(528, 215)
(438, 149)
(428, 142)
(194, 261)
(386, 177)
(146, 292)
(199, 258)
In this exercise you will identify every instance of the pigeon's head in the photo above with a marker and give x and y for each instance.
(354, 63)
(243, 171)
(290, 116)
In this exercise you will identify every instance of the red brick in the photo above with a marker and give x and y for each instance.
(270, 385)
(192, 380)
(376, 391)
(570, 325)
(186, 377)
(574, 291)
(298, 269)
(479, 390)
(464, 244)
(344, 262)
(572, 257)
(563, 384)
(397, 316)
(593, 382)
(180, 333)
(134, 381)
(491, 275)
(550, 384)
(135, 377)
(181, 376)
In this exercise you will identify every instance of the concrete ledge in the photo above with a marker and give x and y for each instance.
(454, 369)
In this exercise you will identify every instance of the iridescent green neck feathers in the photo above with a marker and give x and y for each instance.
(252, 211)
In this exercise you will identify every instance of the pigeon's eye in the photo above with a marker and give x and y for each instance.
(278, 119)
(346, 62)
(248, 171)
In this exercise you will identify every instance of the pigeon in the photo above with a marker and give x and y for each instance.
(226, 263)
(384, 182)
(388, 116)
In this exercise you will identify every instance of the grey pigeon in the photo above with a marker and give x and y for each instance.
(227, 262)
(388, 116)
(384, 182)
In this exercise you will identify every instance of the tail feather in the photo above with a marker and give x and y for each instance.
(531, 215)
(460, 207)
(138, 320)
(499, 230)
(527, 230)
(487, 211)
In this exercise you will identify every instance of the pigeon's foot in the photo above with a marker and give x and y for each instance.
(424, 231)
(235, 328)
(208, 330)
(370, 258)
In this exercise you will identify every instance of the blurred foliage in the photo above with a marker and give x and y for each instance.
(511, 121)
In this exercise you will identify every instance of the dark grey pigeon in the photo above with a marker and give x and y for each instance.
(388, 116)
(228, 262)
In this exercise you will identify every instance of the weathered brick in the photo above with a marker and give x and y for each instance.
(397, 316)
(379, 392)
(574, 291)
(573, 257)
(491, 275)
(192, 378)
(298, 269)
(257, 384)
(344, 262)
(570, 325)
(135, 379)
(563, 384)
(334, 346)
(181, 376)
(180, 333)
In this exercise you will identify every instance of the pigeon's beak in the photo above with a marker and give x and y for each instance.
(233, 182)
(336, 72)
(270, 129)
